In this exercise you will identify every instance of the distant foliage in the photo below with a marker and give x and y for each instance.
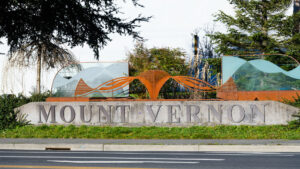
(216, 64)
(170, 60)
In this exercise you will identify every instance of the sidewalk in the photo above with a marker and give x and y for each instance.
(151, 145)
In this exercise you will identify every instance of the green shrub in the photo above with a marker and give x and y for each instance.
(39, 97)
(8, 104)
(8, 115)
(295, 123)
(296, 103)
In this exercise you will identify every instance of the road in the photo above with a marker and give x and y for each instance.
(185, 160)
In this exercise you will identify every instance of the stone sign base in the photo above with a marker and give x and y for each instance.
(158, 113)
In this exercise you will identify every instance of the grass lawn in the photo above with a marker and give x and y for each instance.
(195, 132)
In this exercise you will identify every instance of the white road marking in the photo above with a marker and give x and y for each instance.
(214, 154)
(121, 162)
(118, 158)
(245, 152)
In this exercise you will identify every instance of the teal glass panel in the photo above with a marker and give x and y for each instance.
(269, 67)
(229, 65)
(260, 75)
(93, 74)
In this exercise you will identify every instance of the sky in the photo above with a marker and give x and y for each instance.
(171, 25)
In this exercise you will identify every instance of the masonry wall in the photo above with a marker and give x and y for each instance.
(158, 113)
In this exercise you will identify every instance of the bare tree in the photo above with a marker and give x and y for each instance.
(48, 55)
(38, 28)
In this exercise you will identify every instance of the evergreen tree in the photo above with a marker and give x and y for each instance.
(260, 26)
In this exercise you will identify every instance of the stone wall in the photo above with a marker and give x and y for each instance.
(158, 113)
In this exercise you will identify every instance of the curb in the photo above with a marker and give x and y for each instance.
(124, 147)
(73, 147)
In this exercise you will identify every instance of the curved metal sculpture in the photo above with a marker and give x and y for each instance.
(152, 79)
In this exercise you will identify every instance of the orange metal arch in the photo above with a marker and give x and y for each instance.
(152, 79)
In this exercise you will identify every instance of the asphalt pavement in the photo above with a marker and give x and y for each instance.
(185, 160)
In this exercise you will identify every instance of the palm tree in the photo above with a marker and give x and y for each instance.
(47, 53)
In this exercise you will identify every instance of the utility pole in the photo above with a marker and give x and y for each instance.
(296, 10)
(296, 6)
(197, 60)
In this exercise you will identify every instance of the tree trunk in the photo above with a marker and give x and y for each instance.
(296, 10)
(38, 73)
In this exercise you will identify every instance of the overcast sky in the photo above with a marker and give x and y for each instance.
(171, 26)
